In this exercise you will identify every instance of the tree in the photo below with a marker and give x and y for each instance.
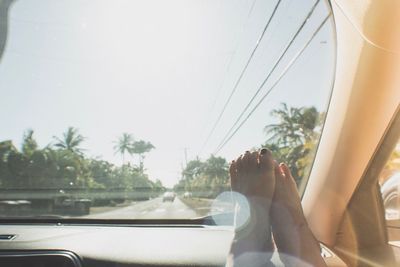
(123, 145)
(205, 178)
(293, 138)
(71, 141)
(295, 127)
(216, 168)
(102, 172)
(158, 186)
(193, 169)
(141, 147)
(65, 166)
(6, 147)
(17, 165)
(29, 144)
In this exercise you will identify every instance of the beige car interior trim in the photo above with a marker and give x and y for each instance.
(365, 96)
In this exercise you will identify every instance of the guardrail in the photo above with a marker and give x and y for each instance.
(101, 194)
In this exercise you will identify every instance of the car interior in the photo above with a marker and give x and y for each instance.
(342, 197)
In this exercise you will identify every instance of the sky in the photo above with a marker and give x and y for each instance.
(160, 70)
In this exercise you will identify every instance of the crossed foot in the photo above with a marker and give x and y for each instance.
(275, 204)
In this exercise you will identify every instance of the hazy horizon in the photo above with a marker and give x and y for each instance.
(160, 70)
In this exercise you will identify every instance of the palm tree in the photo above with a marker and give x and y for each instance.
(141, 147)
(123, 145)
(293, 138)
(296, 125)
(70, 141)
(308, 121)
(29, 145)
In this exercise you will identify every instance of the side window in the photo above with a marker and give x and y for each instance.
(389, 181)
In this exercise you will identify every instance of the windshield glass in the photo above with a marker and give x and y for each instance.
(133, 109)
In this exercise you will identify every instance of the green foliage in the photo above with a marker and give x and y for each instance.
(70, 141)
(296, 126)
(124, 145)
(205, 178)
(293, 139)
(193, 169)
(127, 144)
(140, 148)
(64, 166)
(29, 144)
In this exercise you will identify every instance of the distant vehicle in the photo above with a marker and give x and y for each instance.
(168, 196)
(187, 195)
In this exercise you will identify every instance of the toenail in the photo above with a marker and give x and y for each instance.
(263, 151)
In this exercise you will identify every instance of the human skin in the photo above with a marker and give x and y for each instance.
(291, 233)
(252, 176)
(273, 200)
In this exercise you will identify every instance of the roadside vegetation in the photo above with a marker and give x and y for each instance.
(63, 165)
(293, 139)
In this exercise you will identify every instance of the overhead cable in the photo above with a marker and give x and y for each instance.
(298, 54)
(276, 64)
(241, 74)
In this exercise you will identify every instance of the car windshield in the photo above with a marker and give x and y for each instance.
(133, 109)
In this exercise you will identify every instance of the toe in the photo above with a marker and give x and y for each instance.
(285, 171)
(288, 175)
(232, 169)
(246, 160)
(266, 161)
(253, 161)
(234, 176)
(239, 165)
(279, 179)
(279, 174)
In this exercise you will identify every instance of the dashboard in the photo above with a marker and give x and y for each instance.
(68, 245)
(39, 259)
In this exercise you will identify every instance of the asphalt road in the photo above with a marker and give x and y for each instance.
(151, 209)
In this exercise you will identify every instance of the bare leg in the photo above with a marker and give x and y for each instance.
(292, 236)
(253, 179)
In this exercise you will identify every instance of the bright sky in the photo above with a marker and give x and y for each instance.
(161, 70)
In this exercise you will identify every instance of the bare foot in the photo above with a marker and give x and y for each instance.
(253, 177)
(286, 197)
(291, 233)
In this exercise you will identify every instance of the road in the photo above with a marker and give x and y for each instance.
(151, 209)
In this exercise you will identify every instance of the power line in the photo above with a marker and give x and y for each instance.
(276, 64)
(241, 74)
(273, 86)
(272, 70)
(243, 28)
(222, 85)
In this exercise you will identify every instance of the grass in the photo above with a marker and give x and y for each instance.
(202, 206)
